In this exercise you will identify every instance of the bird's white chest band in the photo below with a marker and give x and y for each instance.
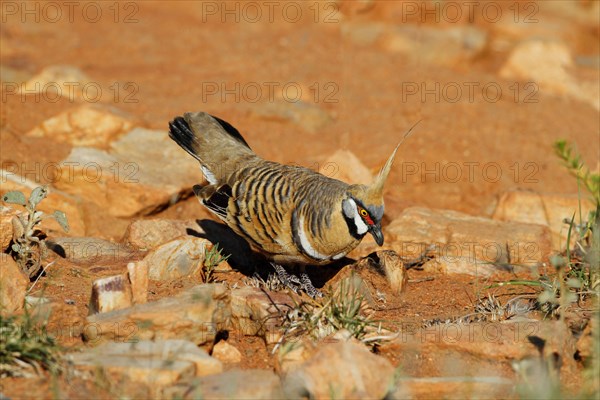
(305, 244)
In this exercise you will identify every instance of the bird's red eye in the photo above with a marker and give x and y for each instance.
(365, 215)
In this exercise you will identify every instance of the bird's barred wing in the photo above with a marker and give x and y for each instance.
(282, 210)
(216, 199)
(259, 206)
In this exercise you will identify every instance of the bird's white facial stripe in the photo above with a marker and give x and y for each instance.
(305, 244)
(338, 256)
(361, 227)
(210, 177)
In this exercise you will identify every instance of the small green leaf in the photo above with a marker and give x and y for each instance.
(15, 247)
(38, 194)
(61, 218)
(14, 197)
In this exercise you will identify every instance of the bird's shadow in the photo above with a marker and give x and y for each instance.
(241, 256)
(246, 261)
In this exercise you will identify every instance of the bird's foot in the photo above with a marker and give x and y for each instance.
(308, 287)
(295, 283)
(287, 279)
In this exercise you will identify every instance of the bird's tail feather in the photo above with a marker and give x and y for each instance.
(211, 140)
(180, 132)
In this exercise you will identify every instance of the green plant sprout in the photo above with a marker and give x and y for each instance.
(573, 162)
(583, 260)
(212, 258)
(27, 247)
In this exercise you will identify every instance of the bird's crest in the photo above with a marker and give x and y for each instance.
(375, 191)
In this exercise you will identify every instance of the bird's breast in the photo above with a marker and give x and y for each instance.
(290, 213)
(323, 236)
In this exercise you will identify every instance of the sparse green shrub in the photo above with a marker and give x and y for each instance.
(26, 346)
(582, 262)
(27, 247)
(577, 268)
(346, 308)
(574, 277)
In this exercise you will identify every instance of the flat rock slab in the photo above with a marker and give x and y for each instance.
(177, 258)
(462, 265)
(310, 117)
(87, 251)
(226, 353)
(146, 234)
(450, 46)
(489, 346)
(6, 226)
(92, 125)
(549, 64)
(59, 80)
(192, 315)
(258, 313)
(233, 384)
(142, 172)
(547, 209)
(154, 363)
(455, 235)
(13, 285)
(454, 387)
(479, 360)
(347, 167)
(341, 370)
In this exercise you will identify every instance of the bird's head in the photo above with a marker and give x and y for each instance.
(363, 205)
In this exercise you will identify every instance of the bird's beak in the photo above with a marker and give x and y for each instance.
(375, 230)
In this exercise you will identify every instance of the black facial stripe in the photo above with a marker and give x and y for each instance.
(352, 228)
